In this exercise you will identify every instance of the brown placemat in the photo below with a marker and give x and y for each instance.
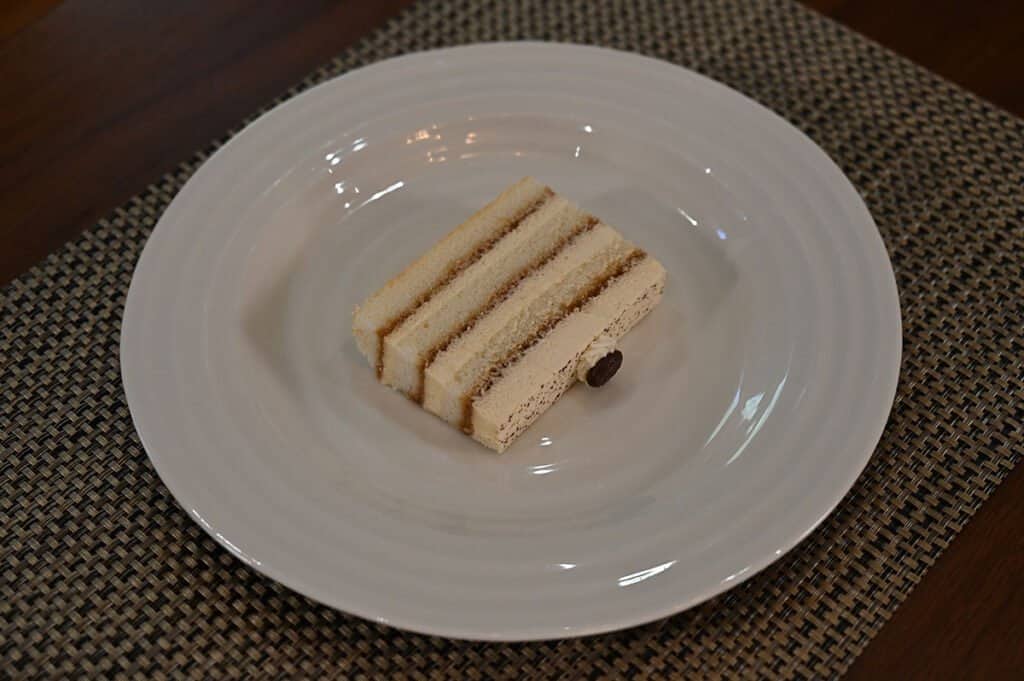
(103, 575)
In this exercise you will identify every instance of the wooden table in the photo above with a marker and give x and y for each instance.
(101, 97)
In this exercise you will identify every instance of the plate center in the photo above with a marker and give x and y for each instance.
(594, 449)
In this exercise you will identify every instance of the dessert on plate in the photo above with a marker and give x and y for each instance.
(499, 318)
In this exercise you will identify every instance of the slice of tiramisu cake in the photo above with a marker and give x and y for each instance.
(498, 319)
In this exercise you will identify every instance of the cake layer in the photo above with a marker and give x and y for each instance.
(406, 291)
(449, 308)
(543, 296)
(506, 406)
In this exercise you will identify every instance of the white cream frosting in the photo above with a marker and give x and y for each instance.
(602, 345)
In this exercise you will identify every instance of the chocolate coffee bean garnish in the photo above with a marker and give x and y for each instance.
(604, 369)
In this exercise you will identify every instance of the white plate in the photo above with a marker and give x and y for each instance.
(748, 403)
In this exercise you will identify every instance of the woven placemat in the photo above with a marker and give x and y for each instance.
(103, 575)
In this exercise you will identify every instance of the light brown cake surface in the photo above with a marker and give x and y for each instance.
(488, 328)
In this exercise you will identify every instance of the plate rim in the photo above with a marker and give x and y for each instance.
(538, 632)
